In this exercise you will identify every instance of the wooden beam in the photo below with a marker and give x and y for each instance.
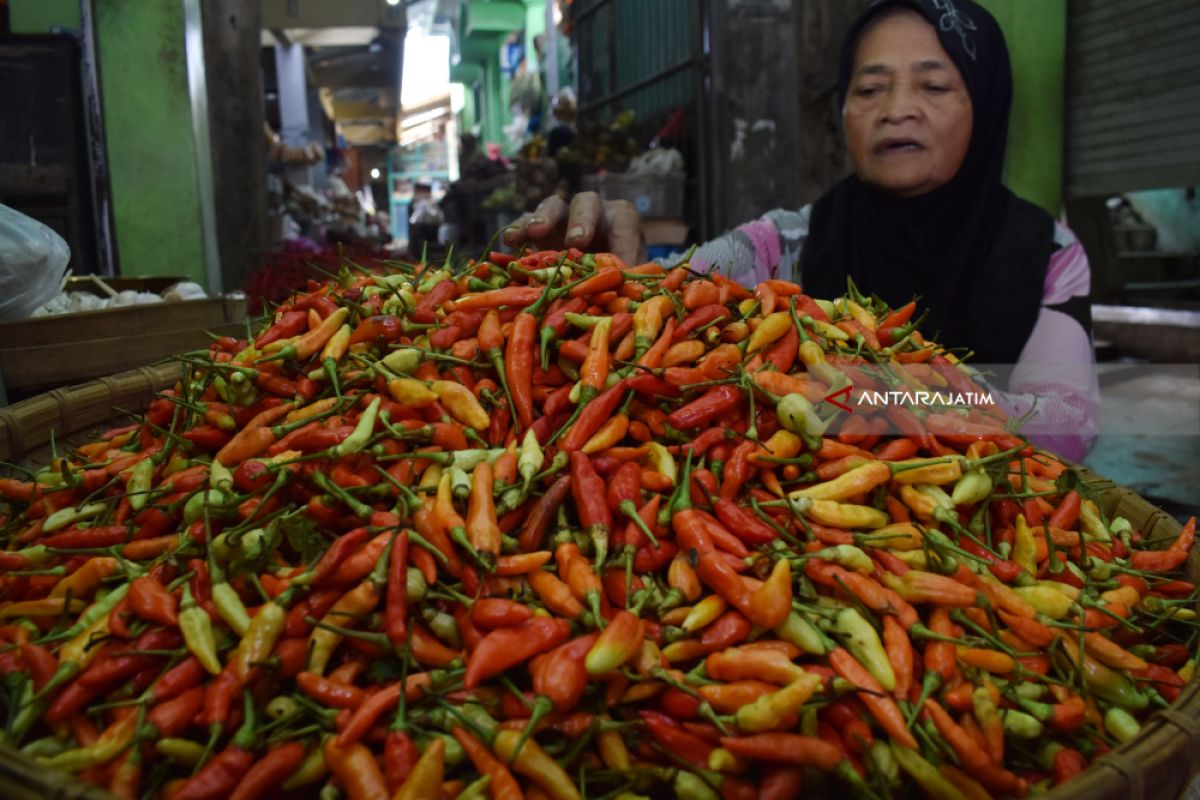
(324, 14)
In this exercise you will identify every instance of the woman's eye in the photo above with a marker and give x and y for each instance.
(866, 91)
(936, 88)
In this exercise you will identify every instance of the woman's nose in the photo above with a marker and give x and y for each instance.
(900, 104)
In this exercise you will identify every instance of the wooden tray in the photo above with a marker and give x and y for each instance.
(42, 353)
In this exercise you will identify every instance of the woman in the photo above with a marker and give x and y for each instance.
(926, 88)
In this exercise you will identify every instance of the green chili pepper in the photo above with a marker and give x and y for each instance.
(1120, 724)
(798, 630)
(853, 630)
(925, 774)
(66, 516)
(138, 485)
(361, 434)
(1020, 725)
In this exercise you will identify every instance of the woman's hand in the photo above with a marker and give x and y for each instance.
(589, 223)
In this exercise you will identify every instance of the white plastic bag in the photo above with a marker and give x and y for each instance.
(33, 259)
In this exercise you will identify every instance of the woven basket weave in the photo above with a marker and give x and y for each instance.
(1159, 763)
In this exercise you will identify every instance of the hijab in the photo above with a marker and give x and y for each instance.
(974, 252)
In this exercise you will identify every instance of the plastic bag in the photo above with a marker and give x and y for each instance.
(33, 259)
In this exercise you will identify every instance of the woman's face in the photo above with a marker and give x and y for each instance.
(908, 114)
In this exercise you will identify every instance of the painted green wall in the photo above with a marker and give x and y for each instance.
(1037, 34)
(535, 23)
(148, 126)
(39, 16)
(151, 149)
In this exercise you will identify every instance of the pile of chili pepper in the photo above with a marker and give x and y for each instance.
(553, 526)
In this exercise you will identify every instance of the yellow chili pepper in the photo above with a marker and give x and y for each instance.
(46, 607)
(425, 780)
(660, 460)
(609, 434)
(335, 348)
(461, 404)
(196, 627)
(703, 613)
(772, 710)
(828, 331)
(862, 478)
(411, 392)
(1093, 526)
(534, 763)
(612, 749)
(866, 318)
(1046, 600)
(782, 444)
(772, 328)
(115, 739)
(302, 347)
(648, 321)
(311, 410)
(936, 474)
(897, 536)
(814, 359)
(256, 646)
(1024, 551)
(841, 515)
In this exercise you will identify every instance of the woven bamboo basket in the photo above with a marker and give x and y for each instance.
(1159, 763)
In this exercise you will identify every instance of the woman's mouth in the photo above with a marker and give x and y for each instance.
(898, 146)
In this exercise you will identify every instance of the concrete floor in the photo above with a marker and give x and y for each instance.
(1162, 466)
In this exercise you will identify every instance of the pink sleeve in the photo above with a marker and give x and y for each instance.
(1056, 372)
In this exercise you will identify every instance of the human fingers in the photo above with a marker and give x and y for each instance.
(540, 226)
(587, 216)
(623, 229)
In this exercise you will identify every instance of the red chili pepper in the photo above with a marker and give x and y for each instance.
(717, 403)
(291, 323)
(40, 662)
(588, 489)
(498, 612)
(180, 678)
(747, 527)
(328, 692)
(173, 717)
(269, 772)
(706, 315)
(426, 310)
(593, 415)
(518, 361)
(337, 553)
(507, 647)
(1067, 764)
(538, 522)
(675, 740)
(150, 600)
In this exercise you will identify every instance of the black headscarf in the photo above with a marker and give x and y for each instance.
(974, 251)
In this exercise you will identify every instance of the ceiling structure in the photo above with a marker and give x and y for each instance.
(355, 52)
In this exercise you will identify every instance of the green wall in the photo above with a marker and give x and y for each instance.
(39, 16)
(535, 23)
(151, 149)
(1036, 33)
(148, 127)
